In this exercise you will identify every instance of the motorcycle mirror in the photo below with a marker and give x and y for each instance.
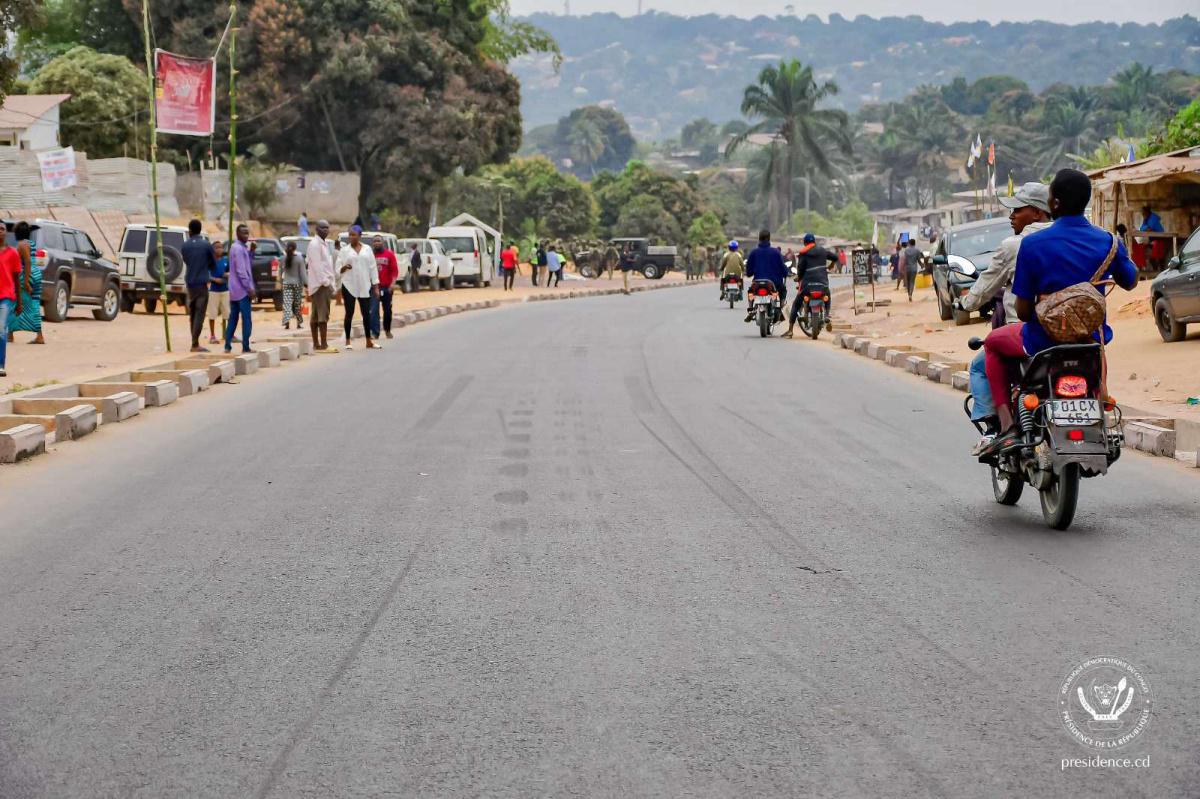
(939, 259)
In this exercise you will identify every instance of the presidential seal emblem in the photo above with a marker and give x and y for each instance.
(1104, 703)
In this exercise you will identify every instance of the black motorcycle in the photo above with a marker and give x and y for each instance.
(1067, 431)
(814, 311)
(765, 301)
(731, 289)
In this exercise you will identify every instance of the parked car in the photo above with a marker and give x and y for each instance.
(1175, 293)
(437, 270)
(470, 253)
(139, 265)
(73, 271)
(962, 253)
(268, 254)
(652, 261)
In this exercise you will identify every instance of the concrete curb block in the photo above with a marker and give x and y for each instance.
(190, 381)
(75, 422)
(21, 442)
(861, 345)
(961, 381)
(154, 394)
(268, 357)
(290, 349)
(245, 364)
(1151, 435)
(914, 363)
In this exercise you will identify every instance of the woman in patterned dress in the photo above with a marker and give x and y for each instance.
(30, 318)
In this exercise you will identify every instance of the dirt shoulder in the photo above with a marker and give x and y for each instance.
(83, 348)
(1144, 372)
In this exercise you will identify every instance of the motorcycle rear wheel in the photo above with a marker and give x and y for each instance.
(805, 323)
(816, 323)
(1007, 488)
(1060, 498)
(764, 324)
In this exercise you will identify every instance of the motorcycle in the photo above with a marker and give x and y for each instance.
(814, 311)
(1068, 430)
(765, 300)
(731, 290)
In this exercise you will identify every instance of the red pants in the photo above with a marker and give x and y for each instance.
(1001, 349)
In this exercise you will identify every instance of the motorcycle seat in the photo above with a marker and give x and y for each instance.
(1037, 368)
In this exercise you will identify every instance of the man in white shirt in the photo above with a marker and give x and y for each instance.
(360, 283)
(320, 285)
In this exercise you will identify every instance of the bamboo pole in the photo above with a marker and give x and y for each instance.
(150, 82)
(232, 116)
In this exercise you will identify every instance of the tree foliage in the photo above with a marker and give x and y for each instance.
(15, 15)
(616, 192)
(535, 196)
(706, 230)
(106, 92)
(597, 135)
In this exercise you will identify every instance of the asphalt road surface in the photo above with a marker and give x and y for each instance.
(613, 546)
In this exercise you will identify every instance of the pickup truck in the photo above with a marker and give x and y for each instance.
(268, 255)
(651, 260)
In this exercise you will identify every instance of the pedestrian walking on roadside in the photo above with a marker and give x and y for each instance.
(389, 272)
(894, 261)
(911, 260)
(360, 283)
(508, 265)
(293, 276)
(539, 261)
(10, 294)
(319, 286)
(628, 264)
(30, 317)
(199, 260)
(218, 293)
(302, 224)
(554, 267)
(242, 292)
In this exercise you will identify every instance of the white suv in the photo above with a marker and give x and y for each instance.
(437, 270)
(139, 266)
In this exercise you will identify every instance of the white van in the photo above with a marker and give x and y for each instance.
(437, 271)
(470, 251)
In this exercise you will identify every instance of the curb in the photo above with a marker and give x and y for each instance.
(65, 412)
(1146, 432)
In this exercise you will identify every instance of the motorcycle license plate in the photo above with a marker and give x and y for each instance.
(1075, 411)
(762, 300)
(817, 305)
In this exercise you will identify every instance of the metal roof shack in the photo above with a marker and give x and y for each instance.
(1168, 183)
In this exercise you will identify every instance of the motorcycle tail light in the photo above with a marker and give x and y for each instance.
(1075, 435)
(762, 292)
(816, 295)
(1070, 386)
(1030, 401)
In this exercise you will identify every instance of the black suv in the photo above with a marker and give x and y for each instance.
(73, 271)
(1175, 294)
(268, 256)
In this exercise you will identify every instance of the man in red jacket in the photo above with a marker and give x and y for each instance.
(389, 273)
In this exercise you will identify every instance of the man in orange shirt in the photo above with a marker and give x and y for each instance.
(508, 263)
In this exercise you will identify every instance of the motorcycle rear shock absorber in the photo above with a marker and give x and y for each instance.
(1025, 416)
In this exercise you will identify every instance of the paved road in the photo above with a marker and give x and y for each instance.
(606, 546)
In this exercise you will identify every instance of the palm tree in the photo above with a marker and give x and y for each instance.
(926, 133)
(1066, 129)
(587, 144)
(784, 101)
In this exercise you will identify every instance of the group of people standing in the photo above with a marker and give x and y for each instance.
(20, 289)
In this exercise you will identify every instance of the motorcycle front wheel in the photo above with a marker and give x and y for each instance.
(1060, 498)
(1006, 487)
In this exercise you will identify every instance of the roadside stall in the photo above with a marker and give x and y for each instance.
(1169, 184)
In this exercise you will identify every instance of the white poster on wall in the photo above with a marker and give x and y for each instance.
(58, 169)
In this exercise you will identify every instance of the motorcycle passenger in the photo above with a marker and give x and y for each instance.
(1070, 251)
(731, 264)
(812, 271)
(1029, 213)
(766, 263)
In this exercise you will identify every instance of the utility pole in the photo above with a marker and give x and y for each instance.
(150, 83)
(232, 116)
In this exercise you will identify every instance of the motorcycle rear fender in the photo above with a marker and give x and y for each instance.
(1091, 453)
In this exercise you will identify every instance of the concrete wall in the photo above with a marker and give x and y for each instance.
(104, 184)
(328, 195)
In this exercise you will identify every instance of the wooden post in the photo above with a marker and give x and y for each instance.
(232, 116)
(150, 83)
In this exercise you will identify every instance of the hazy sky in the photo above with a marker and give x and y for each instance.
(941, 10)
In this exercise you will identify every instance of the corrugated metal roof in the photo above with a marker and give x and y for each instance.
(19, 111)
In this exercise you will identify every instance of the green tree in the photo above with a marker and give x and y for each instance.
(784, 101)
(101, 25)
(106, 93)
(615, 191)
(1182, 131)
(618, 142)
(646, 216)
(1066, 128)
(697, 133)
(706, 230)
(15, 15)
(536, 196)
(586, 144)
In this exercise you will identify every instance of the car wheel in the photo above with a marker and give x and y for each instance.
(943, 309)
(56, 311)
(110, 304)
(150, 304)
(1168, 328)
(651, 272)
(127, 302)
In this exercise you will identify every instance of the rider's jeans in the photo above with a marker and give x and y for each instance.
(982, 407)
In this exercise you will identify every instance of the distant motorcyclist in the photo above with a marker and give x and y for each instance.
(812, 271)
(766, 263)
(732, 263)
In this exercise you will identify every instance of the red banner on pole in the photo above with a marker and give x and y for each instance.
(184, 94)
